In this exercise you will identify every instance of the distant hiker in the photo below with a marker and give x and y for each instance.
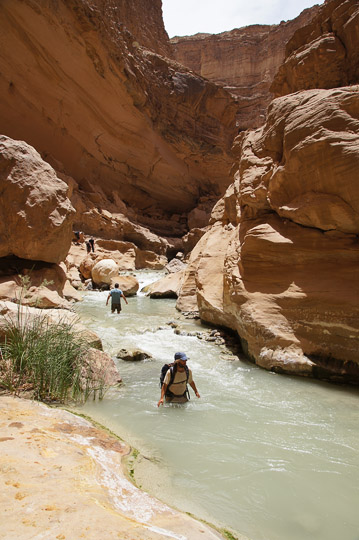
(174, 385)
(116, 294)
(79, 237)
(88, 246)
(92, 244)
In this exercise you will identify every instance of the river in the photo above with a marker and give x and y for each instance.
(269, 456)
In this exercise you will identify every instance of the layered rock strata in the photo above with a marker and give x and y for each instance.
(243, 60)
(324, 53)
(142, 18)
(79, 86)
(280, 261)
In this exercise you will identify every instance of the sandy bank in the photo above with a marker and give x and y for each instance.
(63, 479)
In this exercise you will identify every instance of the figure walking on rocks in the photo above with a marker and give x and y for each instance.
(92, 244)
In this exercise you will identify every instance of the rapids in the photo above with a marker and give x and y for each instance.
(272, 457)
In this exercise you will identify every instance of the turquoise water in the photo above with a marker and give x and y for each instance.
(270, 456)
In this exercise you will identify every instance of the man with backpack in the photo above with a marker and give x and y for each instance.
(174, 380)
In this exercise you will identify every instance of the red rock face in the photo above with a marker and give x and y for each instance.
(324, 53)
(36, 214)
(243, 60)
(78, 86)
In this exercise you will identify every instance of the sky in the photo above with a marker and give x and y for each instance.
(187, 17)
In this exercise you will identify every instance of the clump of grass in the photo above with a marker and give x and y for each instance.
(44, 359)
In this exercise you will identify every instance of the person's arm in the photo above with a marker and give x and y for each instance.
(193, 386)
(124, 297)
(108, 298)
(163, 391)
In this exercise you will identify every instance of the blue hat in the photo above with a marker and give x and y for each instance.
(181, 356)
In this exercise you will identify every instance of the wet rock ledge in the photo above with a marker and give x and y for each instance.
(63, 479)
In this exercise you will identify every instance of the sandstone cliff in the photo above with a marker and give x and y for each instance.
(125, 123)
(243, 60)
(142, 18)
(279, 263)
(324, 53)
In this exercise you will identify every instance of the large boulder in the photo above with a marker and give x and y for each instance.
(36, 215)
(128, 284)
(104, 271)
(102, 369)
(168, 286)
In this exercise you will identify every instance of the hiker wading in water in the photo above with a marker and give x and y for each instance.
(174, 387)
(116, 294)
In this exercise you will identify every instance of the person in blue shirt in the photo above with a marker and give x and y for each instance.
(116, 294)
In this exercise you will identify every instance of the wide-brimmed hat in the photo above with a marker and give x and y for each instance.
(181, 356)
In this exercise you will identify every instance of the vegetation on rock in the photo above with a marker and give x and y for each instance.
(45, 359)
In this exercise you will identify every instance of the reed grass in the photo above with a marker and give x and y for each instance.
(45, 359)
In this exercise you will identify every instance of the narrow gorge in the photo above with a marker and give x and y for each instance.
(226, 163)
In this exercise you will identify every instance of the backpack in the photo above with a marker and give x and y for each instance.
(164, 370)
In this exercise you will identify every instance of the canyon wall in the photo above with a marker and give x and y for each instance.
(134, 131)
(143, 19)
(324, 53)
(279, 263)
(134, 137)
(243, 60)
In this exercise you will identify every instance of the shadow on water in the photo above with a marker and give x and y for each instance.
(271, 456)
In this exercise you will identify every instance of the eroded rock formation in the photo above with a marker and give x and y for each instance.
(36, 214)
(324, 53)
(243, 60)
(280, 262)
(79, 86)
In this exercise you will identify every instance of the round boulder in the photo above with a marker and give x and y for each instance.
(104, 271)
(128, 284)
